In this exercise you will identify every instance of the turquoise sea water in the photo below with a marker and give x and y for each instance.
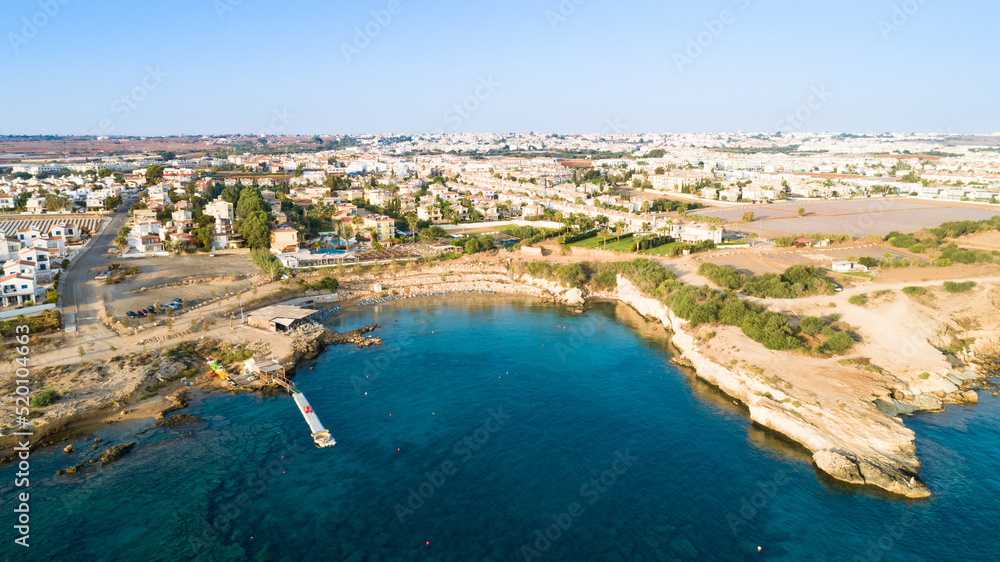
(509, 421)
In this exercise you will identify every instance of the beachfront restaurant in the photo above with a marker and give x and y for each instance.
(280, 318)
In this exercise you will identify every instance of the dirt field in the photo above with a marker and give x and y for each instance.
(858, 217)
(757, 262)
(88, 146)
(983, 241)
(229, 272)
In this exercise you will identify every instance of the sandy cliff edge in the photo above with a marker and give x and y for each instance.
(859, 449)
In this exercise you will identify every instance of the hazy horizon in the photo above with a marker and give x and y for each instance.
(573, 66)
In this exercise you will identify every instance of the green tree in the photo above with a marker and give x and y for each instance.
(230, 194)
(256, 231)
(55, 202)
(619, 228)
(202, 236)
(801, 211)
(250, 201)
(154, 174)
(748, 216)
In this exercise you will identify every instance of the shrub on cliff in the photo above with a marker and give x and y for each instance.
(810, 325)
(44, 397)
(571, 275)
(836, 342)
(797, 281)
(963, 287)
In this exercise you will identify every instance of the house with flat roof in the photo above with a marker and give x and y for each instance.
(280, 318)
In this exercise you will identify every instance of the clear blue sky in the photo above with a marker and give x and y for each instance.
(260, 65)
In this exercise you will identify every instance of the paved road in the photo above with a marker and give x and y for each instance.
(79, 296)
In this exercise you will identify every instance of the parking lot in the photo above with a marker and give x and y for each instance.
(222, 273)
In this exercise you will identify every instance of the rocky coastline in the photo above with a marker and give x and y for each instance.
(871, 449)
(869, 446)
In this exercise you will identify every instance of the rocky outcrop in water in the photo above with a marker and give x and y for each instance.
(177, 420)
(116, 453)
(309, 347)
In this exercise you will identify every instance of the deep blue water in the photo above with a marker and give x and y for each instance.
(581, 398)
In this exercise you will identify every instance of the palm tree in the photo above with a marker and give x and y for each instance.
(412, 221)
(347, 233)
(619, 227)
(605, 234)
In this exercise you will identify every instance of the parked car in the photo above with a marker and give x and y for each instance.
(172, 305)
(837, 288)
(142, 312)
(132, 314)
(103, 275)
(180, 302)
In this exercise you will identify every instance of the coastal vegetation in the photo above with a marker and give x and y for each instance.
(788, 240)
(706, 218)
(268, 263)
(963, 287)
(797, 281)
(704, 305)
(934, 243)
(528, 234)
(44, 397)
